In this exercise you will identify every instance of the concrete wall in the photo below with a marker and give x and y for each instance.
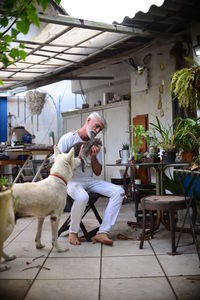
(143, 102)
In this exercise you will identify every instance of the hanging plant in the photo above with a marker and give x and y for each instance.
(185, 85)
(35, 101)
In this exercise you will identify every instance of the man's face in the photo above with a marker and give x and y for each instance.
(94, 125)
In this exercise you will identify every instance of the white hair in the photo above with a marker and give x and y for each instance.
(95, 115)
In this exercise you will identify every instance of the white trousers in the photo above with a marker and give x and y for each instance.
(79, 189)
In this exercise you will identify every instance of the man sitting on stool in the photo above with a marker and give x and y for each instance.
(83, 183)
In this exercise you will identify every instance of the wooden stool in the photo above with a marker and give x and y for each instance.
(168, 203)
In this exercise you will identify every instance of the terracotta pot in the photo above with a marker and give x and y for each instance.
(186, 156)
(4, 206)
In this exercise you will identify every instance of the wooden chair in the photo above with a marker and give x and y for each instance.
(93, 197)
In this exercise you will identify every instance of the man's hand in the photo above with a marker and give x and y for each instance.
(94, 150)
(96, 166)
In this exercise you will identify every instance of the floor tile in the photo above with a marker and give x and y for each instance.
(14, 289)
(64, 290)
(131, 266)
(186, 288)
(161, 243)
(86, 249)
(136, 288)
(184, 264)
(17, 268)
(126, 248)
(71, 268)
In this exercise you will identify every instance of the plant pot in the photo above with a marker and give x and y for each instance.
(4, 206)
(187, 156)
(169, 157)
(156, 159)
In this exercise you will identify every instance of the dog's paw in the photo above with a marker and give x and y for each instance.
(59, 249)
(4, 268)
(9, 258)
(39, 246)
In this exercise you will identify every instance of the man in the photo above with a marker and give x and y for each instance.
(83, 182)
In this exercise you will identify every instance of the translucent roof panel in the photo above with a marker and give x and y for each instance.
(76, 36)
(60, 47)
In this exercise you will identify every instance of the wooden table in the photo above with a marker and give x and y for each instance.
(29, 151)
(159, 168)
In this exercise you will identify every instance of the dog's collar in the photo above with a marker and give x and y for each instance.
(59, 178)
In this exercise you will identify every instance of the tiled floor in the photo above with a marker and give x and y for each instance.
(92, 271)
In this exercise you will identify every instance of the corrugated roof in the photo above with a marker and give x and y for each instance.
(68, 47)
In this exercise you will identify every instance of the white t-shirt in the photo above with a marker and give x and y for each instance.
(66, 142)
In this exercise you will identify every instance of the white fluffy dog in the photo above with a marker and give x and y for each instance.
(43, 198)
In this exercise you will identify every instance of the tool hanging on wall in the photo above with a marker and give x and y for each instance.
(159, 105)
(18, 106)
(24, 110)
(37, 123)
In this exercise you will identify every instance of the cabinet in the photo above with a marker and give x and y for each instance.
(117, 116)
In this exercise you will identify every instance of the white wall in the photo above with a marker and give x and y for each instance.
(94, 89)
(145, 102)
(59, 99)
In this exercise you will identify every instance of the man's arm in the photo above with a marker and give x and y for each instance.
(96, 166)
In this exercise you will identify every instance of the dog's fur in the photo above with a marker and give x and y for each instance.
(43, 198)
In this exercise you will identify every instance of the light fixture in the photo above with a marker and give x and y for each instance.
(197, 47)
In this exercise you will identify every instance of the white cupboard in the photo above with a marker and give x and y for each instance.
(117, 116)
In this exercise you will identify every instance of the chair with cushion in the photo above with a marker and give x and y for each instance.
(166, 203)
(93, 197)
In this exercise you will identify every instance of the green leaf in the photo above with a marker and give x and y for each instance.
(33, 17)
(14, 53)
(22, 54)
(14, 33)
(21, 45)
(1, 82)
(23, 25)
(9, 4)
(4, 59)
(44, 3)
(4, 21)
(7, 38)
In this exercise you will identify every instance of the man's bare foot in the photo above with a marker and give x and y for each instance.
(103, 238)
(73, 239)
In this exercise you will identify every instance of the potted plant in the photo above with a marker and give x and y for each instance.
(188, 137)
(5, 197)
(139, 136)
(165, 140)
(185, 85)
(154, 148)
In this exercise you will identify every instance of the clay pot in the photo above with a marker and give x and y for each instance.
(187, 156)
(4, 206)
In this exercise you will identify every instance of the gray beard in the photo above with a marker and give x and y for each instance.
(91, 134)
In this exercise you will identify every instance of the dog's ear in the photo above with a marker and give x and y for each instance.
(56, 150)
(71, 157)
(71, 152)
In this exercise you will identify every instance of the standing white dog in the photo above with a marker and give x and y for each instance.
(43, 198)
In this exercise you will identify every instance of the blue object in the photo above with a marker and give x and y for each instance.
(195, 185)
(3, 119)
(27, 138)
